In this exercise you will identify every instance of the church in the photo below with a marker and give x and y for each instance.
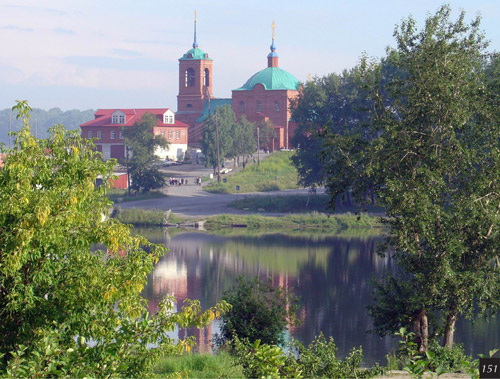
(265, 96)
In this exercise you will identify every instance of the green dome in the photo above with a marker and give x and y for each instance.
(272, 78)
(194, 54)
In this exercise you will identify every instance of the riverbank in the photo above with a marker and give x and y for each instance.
(313, 220)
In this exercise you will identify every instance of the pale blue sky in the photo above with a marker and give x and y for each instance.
(124, 53)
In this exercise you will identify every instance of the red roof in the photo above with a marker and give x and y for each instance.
(103, 117)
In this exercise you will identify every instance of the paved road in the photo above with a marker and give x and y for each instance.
(191, 200)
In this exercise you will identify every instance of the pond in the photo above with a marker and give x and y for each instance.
(329, 273)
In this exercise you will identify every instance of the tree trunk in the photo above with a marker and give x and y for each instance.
(449, 330)
(421, 330)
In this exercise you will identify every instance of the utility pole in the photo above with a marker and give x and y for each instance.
(258, 146)
(217, 140)
(128, 173)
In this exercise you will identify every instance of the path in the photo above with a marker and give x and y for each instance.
(191, 201)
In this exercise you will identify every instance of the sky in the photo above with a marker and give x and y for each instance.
(90, 54)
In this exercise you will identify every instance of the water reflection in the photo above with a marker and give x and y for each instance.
(330, 274)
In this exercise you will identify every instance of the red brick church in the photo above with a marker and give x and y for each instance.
(265, 96)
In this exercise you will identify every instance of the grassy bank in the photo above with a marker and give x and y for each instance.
(283, 204)
(120, 196)
(274, 173)
(198, 366)
(143, 217)
(312, 220)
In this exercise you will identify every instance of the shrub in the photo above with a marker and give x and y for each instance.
(259, 312)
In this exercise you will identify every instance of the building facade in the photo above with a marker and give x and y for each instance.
(265, 97)
(107, 131)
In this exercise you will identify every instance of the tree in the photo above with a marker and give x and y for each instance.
(259, 312)
(68, 308)
(139, 139)
(223, 119)
(334, 103)
(431, 154)
(244, 140)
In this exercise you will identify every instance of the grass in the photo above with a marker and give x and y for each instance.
(219, 365)
(293, 221)
(143, 217)
(120, 196)
(283, 204)
(274, 173)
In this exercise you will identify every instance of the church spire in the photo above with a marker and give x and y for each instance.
(195, 44)
(272, 57)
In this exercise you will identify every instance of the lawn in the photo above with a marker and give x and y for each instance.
(275, 173)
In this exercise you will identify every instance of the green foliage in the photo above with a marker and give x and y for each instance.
(243, 136)
(318, 360)
(220, 365)
(117, 195)
(436, 359)
(223, 120)
(68, 308)
(274, 173)
(283, 204)
(259, 312)
(139, 140)
(141, 217)
(429, 151)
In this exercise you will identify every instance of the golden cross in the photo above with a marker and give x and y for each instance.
(273, 26)
(194, 16)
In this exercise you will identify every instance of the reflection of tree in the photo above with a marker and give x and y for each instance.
(333, 300)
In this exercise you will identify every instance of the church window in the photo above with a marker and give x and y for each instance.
(189, 77)
(168, 119)
(114, 119)
(122, 119)
(178, 134)
(242, 107)
(121, 134)
(112, 134)
(90, 135)
(99, 134)
(170, 134)
(277, 106)
(189, 106)
(162, 134)
(259, 106)
(206, 77)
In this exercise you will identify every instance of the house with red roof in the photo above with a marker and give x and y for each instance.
(108, 124)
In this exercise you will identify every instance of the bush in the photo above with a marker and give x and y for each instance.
(318, 360)
(259, 312)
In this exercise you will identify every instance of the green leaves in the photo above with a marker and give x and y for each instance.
(69, 274)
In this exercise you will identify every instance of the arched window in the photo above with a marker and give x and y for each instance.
(259, 106)
(206, 77)
(277, 106)
(189, 77)
(242, 107)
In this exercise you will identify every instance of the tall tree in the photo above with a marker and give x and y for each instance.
(141, 142)
(220, 123)
(244, 139)
(431, 153)
(68, 308)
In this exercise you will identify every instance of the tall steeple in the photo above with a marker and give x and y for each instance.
(272, 57)
(195, 44)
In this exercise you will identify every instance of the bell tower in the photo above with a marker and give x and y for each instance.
(195, 83)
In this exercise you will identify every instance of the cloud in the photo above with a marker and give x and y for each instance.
(122, 64)
(16, 28)
(64, 31)
(126, 53)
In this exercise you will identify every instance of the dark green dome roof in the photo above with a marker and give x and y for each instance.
(194, 54)
(272, 78)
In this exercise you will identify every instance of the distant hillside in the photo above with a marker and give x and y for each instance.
(43, 120)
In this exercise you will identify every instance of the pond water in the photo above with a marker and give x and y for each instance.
(330, 274)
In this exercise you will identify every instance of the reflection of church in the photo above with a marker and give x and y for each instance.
(265, 97)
